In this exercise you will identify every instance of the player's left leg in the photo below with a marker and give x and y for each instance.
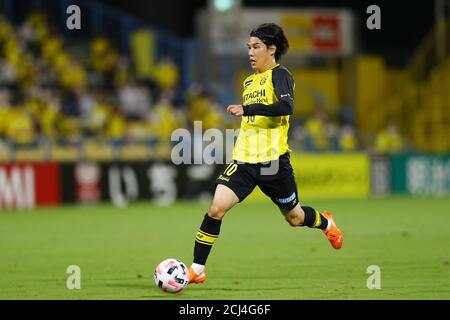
(303, 216)
(282, 189)
(309, 217)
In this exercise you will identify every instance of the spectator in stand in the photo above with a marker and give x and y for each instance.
(86, 101)
(389, 140)
(103, 59)
(4, 111)
(73, 76)
(163, 119)
(135, 101)
(347, 139)
(52, 46)
(202, 107)
(99, 114)
(20, 127)
(166, 74)
(50, 118)
(38, 22)
(315, 127)
(116, 130)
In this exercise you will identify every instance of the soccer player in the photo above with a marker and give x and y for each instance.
(261, 155)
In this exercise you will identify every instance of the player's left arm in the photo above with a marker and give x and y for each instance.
(284, 90)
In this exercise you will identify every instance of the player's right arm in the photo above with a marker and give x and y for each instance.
(236, 110)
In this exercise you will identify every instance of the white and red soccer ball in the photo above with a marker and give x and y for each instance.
(171, 275)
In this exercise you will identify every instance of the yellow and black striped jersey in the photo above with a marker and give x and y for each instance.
(268, 100)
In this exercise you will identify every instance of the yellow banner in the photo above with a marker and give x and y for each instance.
(299, 31)
(143, 52)
(328, 176)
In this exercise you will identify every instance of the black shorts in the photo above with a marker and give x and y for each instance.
(278, 184)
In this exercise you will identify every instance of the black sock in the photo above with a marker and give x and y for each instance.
(206, 236)
(314, 219)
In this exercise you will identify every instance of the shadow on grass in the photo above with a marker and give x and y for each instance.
(198, 288)
(139, 286)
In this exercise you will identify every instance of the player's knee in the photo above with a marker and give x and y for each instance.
(216, 211)
(294, 221)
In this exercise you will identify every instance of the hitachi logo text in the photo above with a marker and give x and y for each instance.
(255, 94)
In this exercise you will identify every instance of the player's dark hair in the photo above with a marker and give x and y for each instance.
(272, 34)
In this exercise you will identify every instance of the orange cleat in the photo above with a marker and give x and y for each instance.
(334, 234)
(196, 278)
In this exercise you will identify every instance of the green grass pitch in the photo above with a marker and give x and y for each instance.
(258, 255)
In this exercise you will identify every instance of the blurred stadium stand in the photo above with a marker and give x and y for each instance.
(96, 94)
(119, 88)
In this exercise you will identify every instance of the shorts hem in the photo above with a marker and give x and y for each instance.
(233, 187)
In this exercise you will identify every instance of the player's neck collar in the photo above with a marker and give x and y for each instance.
(274, 67)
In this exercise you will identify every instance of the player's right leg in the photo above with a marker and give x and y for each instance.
(224, 199)
(233, 186)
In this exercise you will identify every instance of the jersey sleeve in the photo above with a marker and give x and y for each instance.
(284, 86)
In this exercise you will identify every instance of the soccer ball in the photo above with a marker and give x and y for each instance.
(171, 275)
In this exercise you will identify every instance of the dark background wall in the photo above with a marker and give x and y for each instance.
(404, 23)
